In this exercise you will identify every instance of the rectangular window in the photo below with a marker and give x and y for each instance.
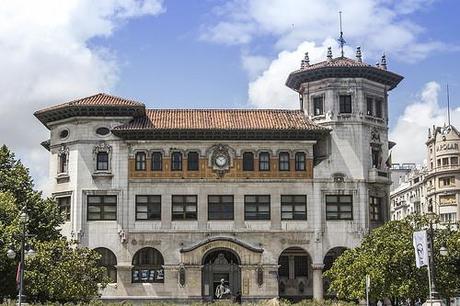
(454, 161)
(176, 161)
(318, 106)
(248, 161)
(102, 207)
(264, 161)
(370, 106)
(140, 161)
(157, 161)
(375, 208)
(345, 104)
(257, 207)
(184, 207)
(193, 161)
(446, 181)
(220, 207)
(64, 207)
(339, 207)
(148, 207)
(378, 108)
(445, 161)
(102, 162)
(284, 161)
(300, 161)
(293, 207)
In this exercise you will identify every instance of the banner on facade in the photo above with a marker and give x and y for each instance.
(421, 248)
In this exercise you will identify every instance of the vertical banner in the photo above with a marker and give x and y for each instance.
(421, 248)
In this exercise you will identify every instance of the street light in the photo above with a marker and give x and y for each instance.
(11, 254)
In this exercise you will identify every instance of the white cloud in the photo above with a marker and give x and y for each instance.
(254, 64)
(45, 59)
(411, 130)
(377, 25)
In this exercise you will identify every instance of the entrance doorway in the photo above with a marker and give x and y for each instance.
(218, 265)
(295, 275)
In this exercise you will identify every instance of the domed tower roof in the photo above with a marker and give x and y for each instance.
(342, 67)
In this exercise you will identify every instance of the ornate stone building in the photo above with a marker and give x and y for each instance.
(177, 199)
(436, 187)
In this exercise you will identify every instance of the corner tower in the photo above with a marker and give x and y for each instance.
(350, 97)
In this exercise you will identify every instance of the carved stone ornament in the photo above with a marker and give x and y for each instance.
(375, 135)
(182, 276)
(102, 147)
(260, 276)
(220, 159)
(63, 150)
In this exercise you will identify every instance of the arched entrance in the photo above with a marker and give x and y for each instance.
(329, 259)
(295, 274)
(220, 264)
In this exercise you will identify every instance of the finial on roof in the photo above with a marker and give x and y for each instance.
(383, 62)
(329, 54)
(377, 65)
(359, 56)
(305, 62)
(341, 40)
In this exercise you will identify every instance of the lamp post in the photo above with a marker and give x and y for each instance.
(11, 254)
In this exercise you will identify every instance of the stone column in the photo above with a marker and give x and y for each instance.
(317, 281)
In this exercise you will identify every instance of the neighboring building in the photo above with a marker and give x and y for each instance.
(177, 199)
(435, 188)
(399, 172)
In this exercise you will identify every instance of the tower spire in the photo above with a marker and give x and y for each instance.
(341, 40)
(448, 105)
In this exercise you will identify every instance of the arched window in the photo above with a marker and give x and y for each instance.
(148, 266)
(157, 161)
(284, 161)
(176, 161)
(140, 161)
(264, 161)
(63, 163)
(102, 161)
(193, 161)
(248, 161)
(108, 260)
(300, 161)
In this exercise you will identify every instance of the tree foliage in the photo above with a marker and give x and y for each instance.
(387, 256)
(16, 193)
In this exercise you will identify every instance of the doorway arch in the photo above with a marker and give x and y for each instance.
(329, 259)
(295, 275)
(218, 264)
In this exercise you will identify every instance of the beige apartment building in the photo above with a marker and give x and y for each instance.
(436, 187)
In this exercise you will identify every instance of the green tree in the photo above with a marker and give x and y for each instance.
(61, 273)
(387, 256)
(16, 193)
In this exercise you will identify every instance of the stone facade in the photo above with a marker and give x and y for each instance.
(436, 187)
(343, 178)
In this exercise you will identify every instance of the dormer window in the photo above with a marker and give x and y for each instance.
(318, 106)
(345, 104)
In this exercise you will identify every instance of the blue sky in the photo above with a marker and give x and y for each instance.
(217, 54)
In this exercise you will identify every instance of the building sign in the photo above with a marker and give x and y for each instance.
(448, 199)
(447, 146)
(148, 276)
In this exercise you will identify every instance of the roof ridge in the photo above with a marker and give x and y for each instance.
(227, 109)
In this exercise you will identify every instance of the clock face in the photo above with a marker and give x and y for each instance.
(221, 161)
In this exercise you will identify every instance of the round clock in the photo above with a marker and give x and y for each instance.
(221, 161)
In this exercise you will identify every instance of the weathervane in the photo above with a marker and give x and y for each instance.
(341, 40)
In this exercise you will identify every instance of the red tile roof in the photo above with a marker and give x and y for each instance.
(226, 119)
(337, 62)
(100, 99)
